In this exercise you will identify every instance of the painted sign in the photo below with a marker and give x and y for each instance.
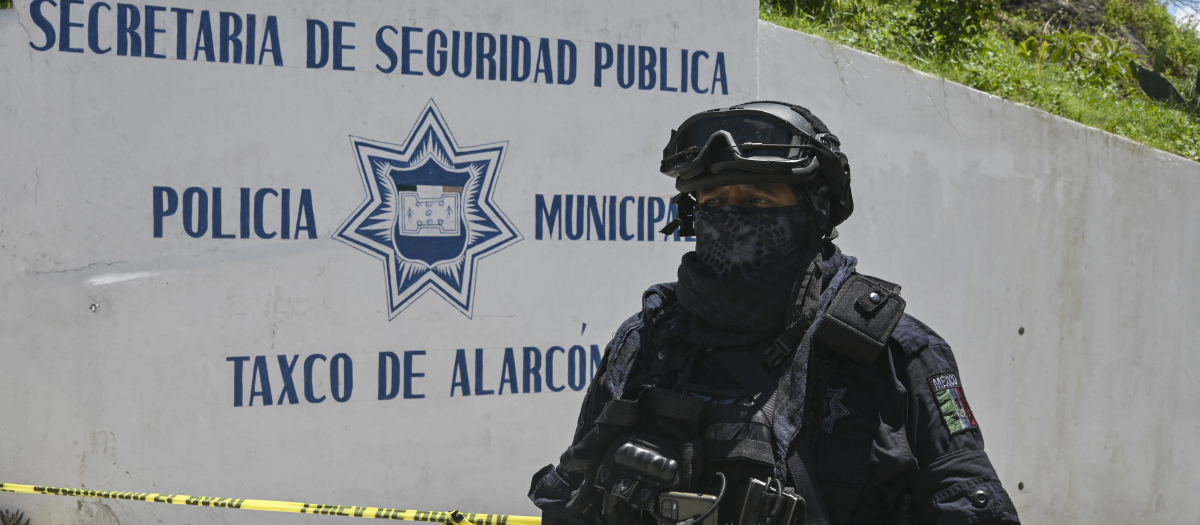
(429, 212)
(301, 239)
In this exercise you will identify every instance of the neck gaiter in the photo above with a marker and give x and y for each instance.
(735, 287)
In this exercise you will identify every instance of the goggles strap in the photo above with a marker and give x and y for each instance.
(683, 222)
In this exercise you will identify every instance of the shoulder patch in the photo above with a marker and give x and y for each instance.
(952, 402)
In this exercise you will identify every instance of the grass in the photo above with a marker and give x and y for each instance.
(5, 4)
(991, 61)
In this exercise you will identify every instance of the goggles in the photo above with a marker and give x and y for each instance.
(758, 142)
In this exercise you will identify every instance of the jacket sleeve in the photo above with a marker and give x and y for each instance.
(955, 483)
(553, 486)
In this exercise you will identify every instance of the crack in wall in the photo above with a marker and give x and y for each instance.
(908, 96)
(944, 110)
(37, 183)
(28, 38)
(946, 106)
(30, 273)
(837, 64)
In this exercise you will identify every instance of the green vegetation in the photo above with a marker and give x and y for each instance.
(5, 4)
(12, 518)
(1158, 87)
(1087, 61)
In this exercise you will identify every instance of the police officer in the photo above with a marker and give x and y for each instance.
(772, 384)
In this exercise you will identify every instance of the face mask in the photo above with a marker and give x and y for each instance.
(731, 240)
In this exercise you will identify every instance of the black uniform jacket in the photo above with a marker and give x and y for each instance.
(898, 430)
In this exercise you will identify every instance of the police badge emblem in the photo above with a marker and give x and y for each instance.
(429, 213)
(837, 410)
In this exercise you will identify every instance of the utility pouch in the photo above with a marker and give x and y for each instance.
(861, 318)
(765, 504)
(679, 506)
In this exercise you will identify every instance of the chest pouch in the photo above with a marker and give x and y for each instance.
(861, 317)
(660, 452)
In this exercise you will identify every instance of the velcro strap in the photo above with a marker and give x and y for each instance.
(801, 315)
(740, 449)
(779, 350)
(716, 413)
(748, 373)
(620, 413)
(806, 485)
(674, 405)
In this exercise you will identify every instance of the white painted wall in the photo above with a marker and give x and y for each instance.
(996, 217)
(991, 215)
(139, 396)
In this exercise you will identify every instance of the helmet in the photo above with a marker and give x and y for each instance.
(758, 142)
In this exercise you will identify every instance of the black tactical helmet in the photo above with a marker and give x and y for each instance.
(758, 142)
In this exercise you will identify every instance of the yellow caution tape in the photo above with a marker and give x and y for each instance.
(449, 518)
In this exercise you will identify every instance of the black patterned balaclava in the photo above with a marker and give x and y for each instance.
(741, 240)
(735, 287)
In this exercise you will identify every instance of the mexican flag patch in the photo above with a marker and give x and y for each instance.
(952, 403)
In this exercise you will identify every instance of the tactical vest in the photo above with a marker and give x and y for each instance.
(665, 442)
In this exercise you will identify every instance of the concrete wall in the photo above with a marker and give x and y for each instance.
(120, 342)
(140, 394)
(1059, 261)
